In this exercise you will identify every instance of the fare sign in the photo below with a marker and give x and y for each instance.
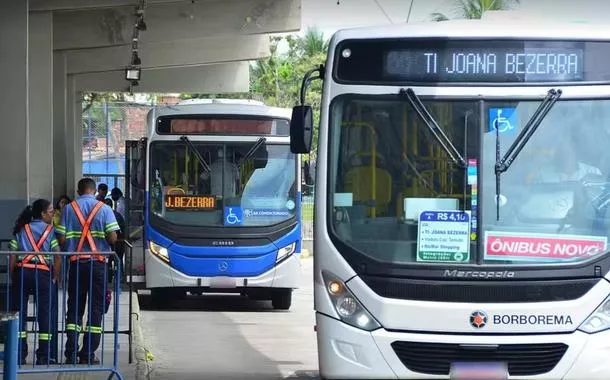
(443, 236)
(190, 202)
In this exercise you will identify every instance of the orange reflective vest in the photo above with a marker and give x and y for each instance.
(36, 245)
(86, 232)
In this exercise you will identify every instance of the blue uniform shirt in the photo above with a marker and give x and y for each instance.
(71, 228)
(22, 243)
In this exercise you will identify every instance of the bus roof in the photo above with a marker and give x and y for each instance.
(221, 101)
(223, 107)
(509, 27)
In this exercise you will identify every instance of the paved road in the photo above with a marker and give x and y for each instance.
(233, 338)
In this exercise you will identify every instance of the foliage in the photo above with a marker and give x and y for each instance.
(95, 114)
(474, 9)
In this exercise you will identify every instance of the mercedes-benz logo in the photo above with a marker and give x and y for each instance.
(223, 266)
(478, 319)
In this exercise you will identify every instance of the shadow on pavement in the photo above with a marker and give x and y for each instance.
(211, 302)
(239, 376)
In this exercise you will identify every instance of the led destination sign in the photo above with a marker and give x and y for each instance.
(473, 65)
(190, 202)
(235, 125)
(427, 60)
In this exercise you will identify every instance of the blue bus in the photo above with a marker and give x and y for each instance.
(216, 192)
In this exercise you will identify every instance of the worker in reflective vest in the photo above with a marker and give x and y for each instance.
(87, 226)
(35, 274)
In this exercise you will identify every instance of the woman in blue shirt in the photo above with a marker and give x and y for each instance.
(35, 274)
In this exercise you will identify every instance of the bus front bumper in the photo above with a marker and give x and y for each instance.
(345, 352)
(159, 274)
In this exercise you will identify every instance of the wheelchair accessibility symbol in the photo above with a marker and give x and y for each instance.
(233, 216)
(503, 119)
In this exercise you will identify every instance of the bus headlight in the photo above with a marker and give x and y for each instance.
(160, 252)
(286, 251)
(599, 320)
(350, 310)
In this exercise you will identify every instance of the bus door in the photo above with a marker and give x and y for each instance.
(135, 197)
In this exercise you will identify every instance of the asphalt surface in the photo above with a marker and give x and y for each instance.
(230, 337)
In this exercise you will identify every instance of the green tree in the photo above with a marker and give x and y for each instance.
(96, 117)
(278, 78)
(474, 9)
(312, 43)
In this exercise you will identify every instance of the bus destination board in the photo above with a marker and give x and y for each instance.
(222, 125)
(435, 60)
(190, 202)
(476, 64)
(226, 126)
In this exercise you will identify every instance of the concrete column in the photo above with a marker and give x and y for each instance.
(60, 144)
(14, 111)
(74, 135)
(40, 137)
(77, 134)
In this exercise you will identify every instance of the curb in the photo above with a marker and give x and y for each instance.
(305, 253)
(141, 353)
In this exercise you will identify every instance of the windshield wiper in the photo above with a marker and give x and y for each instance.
(433, 127)
(202, 161)
(252, 150)
(503, 164)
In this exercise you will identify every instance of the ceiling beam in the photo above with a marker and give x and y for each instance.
(178, 53)
(174, 21)
(74, 5)
(211, 79)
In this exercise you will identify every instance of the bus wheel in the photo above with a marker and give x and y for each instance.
(282, 299)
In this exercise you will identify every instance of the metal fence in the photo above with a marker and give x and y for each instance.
(106, 126)
(307, 215)
(51, 325)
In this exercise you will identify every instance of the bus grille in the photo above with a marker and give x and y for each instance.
(475, 291)
(522, 359)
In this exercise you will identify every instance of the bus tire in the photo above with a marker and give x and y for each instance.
(282, 299)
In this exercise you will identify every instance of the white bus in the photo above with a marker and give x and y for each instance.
(419, 272)
(221, 201)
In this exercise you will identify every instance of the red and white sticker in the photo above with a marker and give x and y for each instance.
(503, 245)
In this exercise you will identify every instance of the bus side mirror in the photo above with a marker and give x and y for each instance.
(301, 129)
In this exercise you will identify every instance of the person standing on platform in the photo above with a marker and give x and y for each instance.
(88, 227)
(102, 192)
(35, 274)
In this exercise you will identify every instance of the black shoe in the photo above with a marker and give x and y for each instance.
(44, 360)
(89, 361)
(70, 360)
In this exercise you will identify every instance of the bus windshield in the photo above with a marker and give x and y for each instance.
(397, 196)
(258, 189)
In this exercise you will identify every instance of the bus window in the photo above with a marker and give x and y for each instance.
(264, 181)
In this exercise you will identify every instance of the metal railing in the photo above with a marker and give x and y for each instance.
(53, 322)
(10, 354)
